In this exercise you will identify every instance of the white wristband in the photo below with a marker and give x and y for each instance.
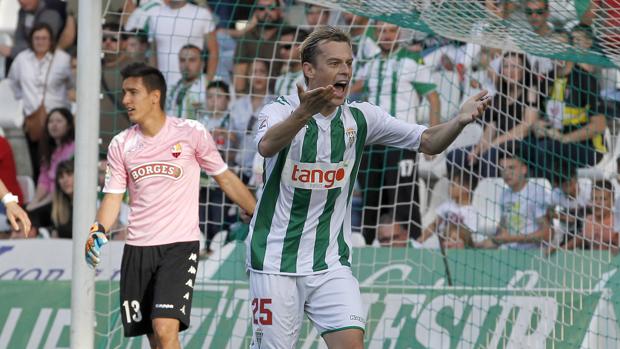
(9, 197)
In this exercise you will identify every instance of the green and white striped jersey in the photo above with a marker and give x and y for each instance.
(396, 83)
(302, 223)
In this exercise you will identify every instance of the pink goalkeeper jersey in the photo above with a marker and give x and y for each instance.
(162, 174)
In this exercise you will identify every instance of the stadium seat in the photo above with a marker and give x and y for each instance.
(357, 240)
(11, 116)
(607, 167)
(27, 186)
(438, 195)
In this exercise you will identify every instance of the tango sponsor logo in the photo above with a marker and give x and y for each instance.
(316, 175)
(156, 169)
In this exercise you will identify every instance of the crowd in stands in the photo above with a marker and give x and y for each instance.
(549, 119)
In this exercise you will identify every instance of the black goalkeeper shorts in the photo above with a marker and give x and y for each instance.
(157, 282)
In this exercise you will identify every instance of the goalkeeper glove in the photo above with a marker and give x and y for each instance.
(96, 240)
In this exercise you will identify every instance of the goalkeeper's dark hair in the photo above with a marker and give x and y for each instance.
(152, 79)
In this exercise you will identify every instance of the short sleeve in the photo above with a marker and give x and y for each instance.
(387, 130)
(207, 155)
(115, 174)
(272, 114)
(207, 16)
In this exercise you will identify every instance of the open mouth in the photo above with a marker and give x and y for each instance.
(130, 110)
(341, 87)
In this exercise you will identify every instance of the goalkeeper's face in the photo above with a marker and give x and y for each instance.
(332, 66)
(139, 101)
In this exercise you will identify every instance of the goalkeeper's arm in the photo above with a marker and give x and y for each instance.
(106, 216)
(109, 209)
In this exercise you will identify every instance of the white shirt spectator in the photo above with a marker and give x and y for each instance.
(27, 77)
(286, 84)
(171, 29)
(466, 216)
(139, 17)
(244, 124)
(522, 211)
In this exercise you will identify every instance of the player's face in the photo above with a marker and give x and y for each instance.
(65, 182)
(332, 66)
(138, 100)
(190, 64)
(388, 34)
(217, 100)
(57, 125)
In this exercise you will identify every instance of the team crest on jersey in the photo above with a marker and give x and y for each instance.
(351, 136)
(176, 150)
(156, 169)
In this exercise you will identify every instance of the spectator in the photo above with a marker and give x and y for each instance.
(364, 46)
(40, 76)
(188, 94)
(288, 52)
(524, 222)
(456, 218)
(31, 14)
(391, 233)
(316, 16)
(601, 229)
(513, 110)
(173, 25)
(572, 130)
(57, 145)
(113, 117)
(571, 200)
(388, 176)
(217, 119)
(137, 46)
(258, 43)
(244, 113)
(62, 201)
(583, 38)
(537, 13)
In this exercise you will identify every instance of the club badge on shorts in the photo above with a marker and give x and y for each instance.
(176, 150)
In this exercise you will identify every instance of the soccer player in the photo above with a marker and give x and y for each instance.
(299, 245)
(158, 160)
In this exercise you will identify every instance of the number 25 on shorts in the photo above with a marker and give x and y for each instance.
(261, 312)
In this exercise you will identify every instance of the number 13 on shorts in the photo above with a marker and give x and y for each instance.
(261, 311)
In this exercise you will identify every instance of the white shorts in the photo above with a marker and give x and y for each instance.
(332, 301)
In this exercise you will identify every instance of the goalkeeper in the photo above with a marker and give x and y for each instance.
(300, 237)
(159, 161)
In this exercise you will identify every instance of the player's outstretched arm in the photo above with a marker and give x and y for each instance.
(282, 134)
(234, 188)
(437, 138)
(106, 216)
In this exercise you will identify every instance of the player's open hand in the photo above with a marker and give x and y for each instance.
(18, 218)
(474, 107)
(313, 101)
(96, 240)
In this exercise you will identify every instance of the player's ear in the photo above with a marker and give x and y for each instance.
(309, 70)
(155, 96)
